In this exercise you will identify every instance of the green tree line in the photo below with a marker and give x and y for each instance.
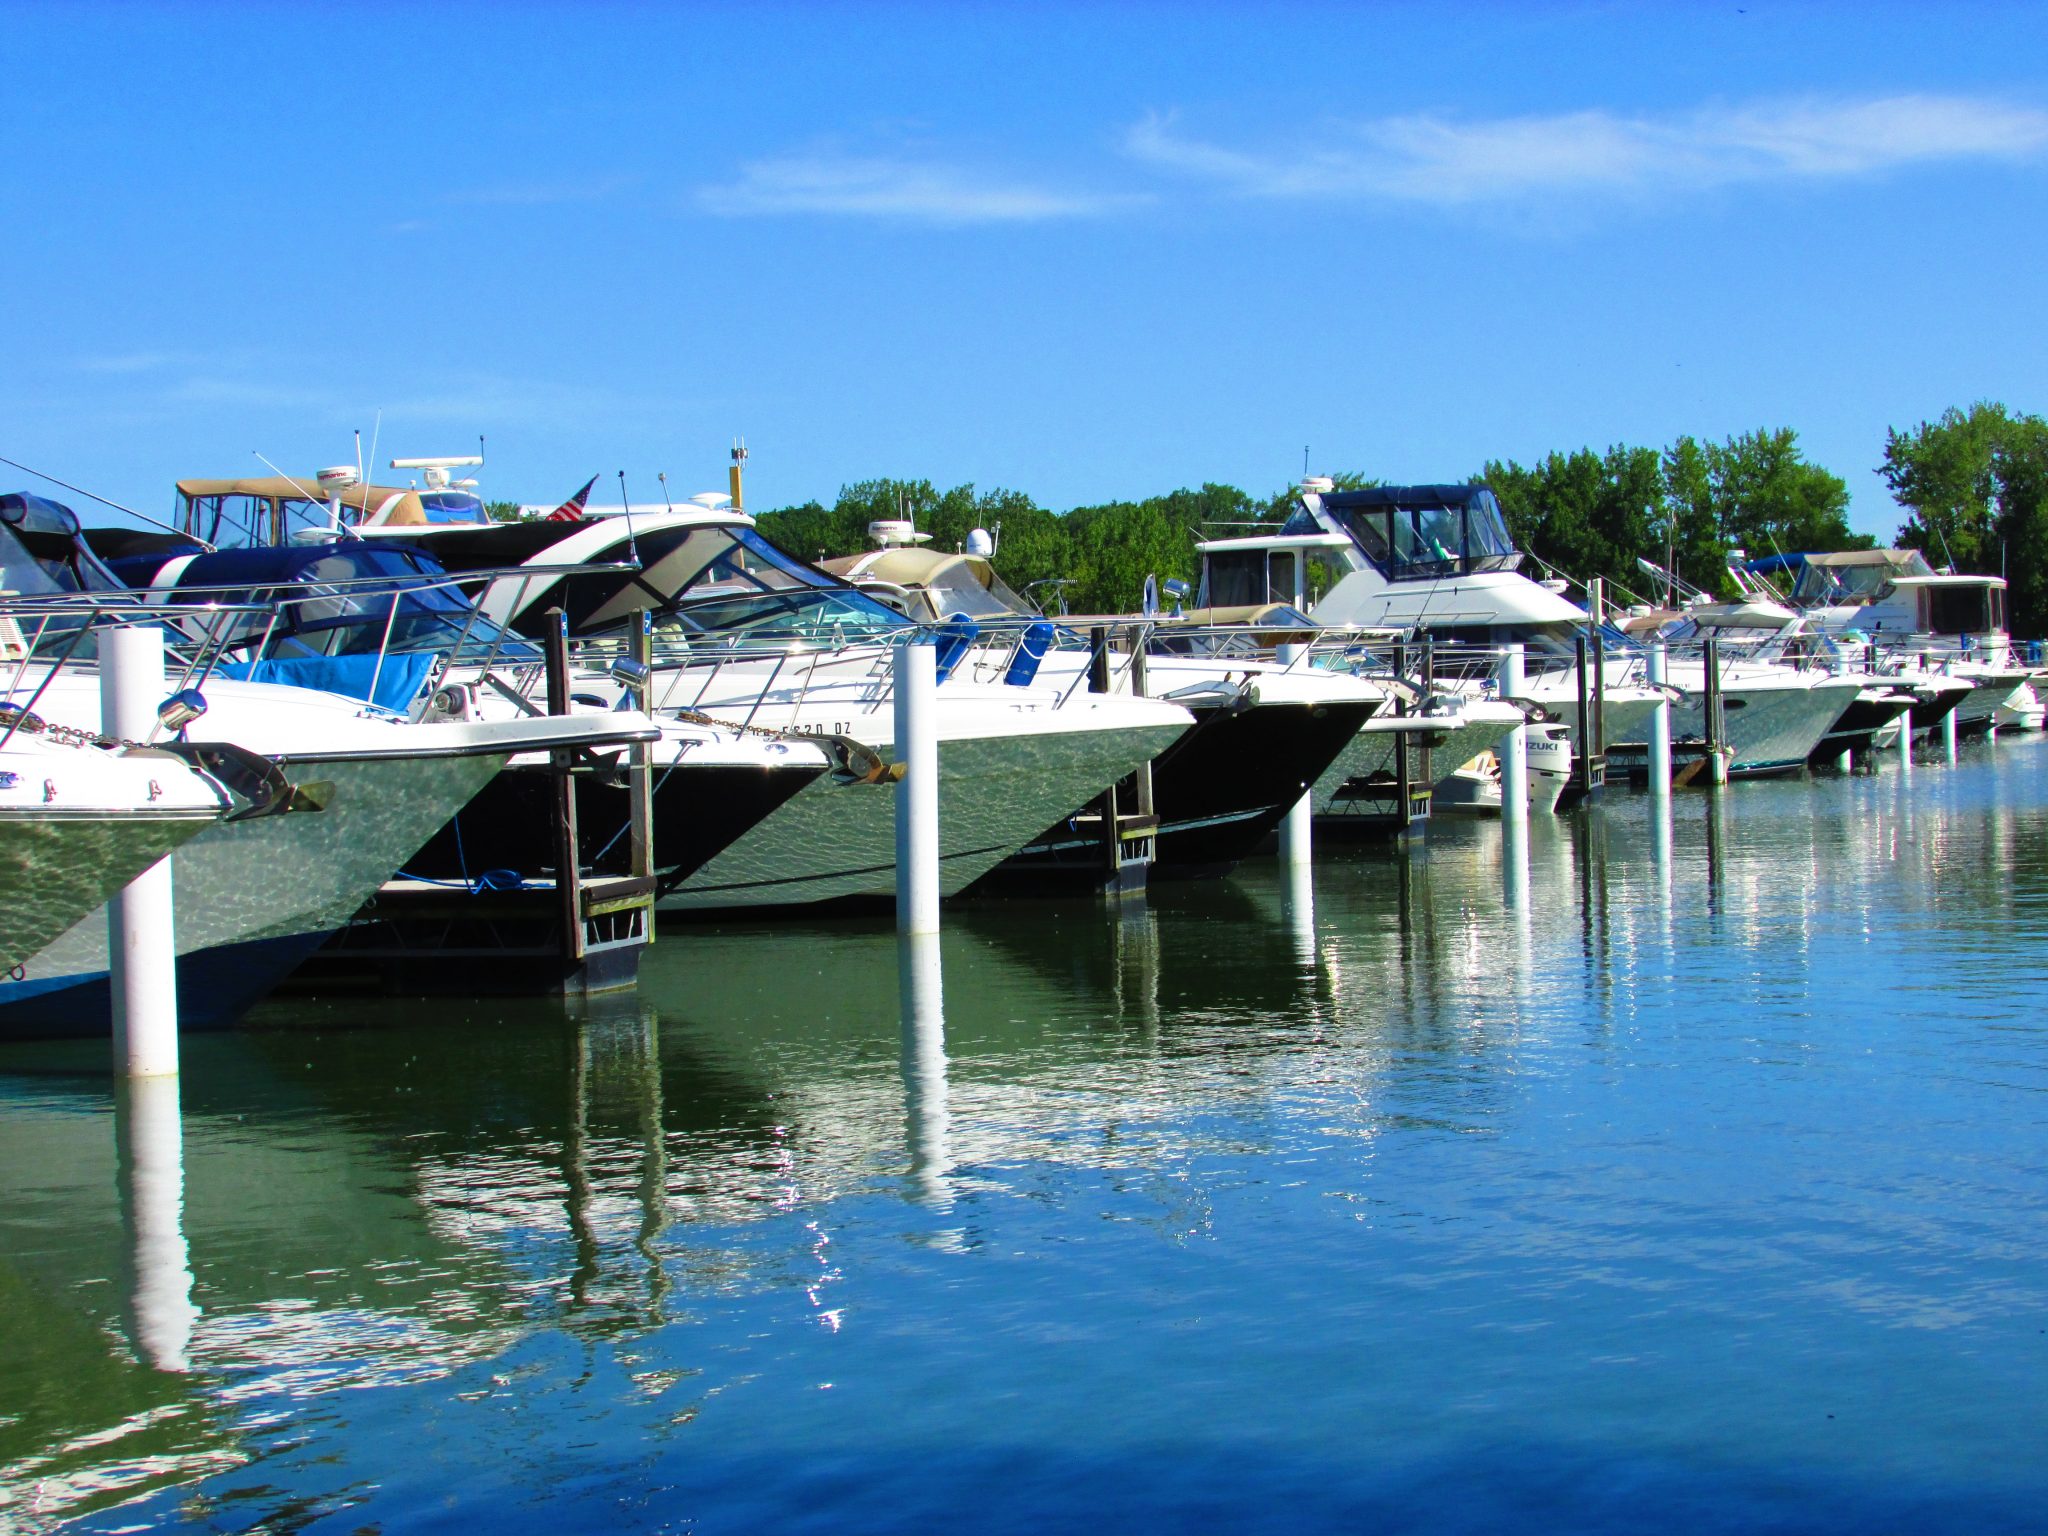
(1971, 485)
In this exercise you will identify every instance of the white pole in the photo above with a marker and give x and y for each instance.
(1905, 744)
(1514, 747)
(149, 1138)
(1660, 723)
(917, 793)
(142, 945)
(1949, 742)
(1294, 826)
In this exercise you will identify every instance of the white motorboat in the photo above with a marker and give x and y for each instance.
(1439, 559)
(1476, 788)
(748, 639)
(255, 894)
(1921, 623)
(1265, 730)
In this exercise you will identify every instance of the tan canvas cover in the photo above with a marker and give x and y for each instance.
(400, 505)
(908, 566)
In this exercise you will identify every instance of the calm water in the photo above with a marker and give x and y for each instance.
(1700, 1186)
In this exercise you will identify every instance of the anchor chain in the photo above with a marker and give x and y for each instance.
(35, 725)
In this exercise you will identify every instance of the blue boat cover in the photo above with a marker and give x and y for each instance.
(397, 685)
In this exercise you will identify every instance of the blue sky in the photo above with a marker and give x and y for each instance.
(1084, 253)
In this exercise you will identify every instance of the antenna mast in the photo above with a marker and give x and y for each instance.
(733, 476)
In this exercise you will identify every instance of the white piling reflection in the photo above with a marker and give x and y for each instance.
(927, 1118)
(1298, 906)
(149, 1139)
(1660, 862)
(1516, 895)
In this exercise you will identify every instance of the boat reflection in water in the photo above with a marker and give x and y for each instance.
(1463, 1125)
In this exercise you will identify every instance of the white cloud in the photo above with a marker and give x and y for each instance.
(1432, 159)
(894, 189)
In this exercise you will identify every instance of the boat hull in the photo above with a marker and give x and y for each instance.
(1857, 728)
(700, 810)
(1770, 730)
(835, 841)
(58, 870)
(268, 889)
(1218, 792)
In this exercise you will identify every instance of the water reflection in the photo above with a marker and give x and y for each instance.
(149, 1134)
(926, 1116)
(1527, 1093)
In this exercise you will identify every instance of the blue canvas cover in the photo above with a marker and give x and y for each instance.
(394, 686)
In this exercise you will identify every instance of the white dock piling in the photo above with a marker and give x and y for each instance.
(1905, 743)
(1950, 739)
(142, 946)
(1660, 724)
(1514, 747)
(917, 792)
(1295, 847)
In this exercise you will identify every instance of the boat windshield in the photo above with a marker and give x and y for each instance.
(1429, 532)
(43, 554)
(727, 579)
(956, 587)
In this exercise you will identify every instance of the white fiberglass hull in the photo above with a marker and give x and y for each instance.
(836, 840)
(1773, 721)
(77, 824)
(253, 897)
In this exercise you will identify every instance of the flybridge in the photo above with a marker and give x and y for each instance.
(1415, 532)
(1412, 533)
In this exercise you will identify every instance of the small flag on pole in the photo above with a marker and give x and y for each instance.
(571, 511)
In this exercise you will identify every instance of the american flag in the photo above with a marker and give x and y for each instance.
(571, 511)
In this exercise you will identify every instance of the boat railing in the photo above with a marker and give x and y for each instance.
(51, 630)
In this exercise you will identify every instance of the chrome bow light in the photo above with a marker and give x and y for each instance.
(629, 672)
(181, 709)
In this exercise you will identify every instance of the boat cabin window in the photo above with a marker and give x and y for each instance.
(1323, 569)
(1962, 610)
(1247, 578)
(462, 509)
(1427, 539)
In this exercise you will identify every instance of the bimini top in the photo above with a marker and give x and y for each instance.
(275, 509)
(949, 583)
(1899, 562)
(1844, 576)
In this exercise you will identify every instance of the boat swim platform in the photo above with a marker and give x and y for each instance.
(441, 938)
